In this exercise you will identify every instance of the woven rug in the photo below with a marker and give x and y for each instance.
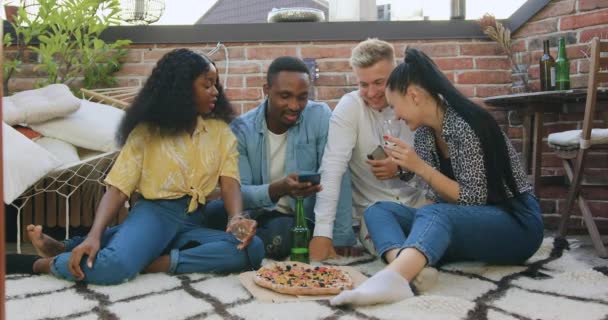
(552, 285)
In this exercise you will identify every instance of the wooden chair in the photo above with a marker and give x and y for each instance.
(574, 152)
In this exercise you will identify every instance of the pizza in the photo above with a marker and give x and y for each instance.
(302, 279)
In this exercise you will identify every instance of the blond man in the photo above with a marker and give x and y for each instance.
(355, 130)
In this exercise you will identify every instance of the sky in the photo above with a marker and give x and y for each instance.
(189, 11)
(184, 11)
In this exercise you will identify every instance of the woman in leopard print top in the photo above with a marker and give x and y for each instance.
(481, 207)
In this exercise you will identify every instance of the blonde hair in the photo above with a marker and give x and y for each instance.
(369, 52)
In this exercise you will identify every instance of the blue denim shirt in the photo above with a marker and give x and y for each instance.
(306, 141)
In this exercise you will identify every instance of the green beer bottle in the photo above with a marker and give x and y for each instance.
(562, 67)
(301, 234)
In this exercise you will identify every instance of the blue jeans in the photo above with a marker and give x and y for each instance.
(448, 232)
(156, 227)
(274, 228)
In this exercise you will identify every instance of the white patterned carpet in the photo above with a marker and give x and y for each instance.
(552, 285)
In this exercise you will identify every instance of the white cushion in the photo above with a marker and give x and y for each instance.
(93, 127)
(25, 162)
(572, 138)
(10, 113)
(65, 152)
(52, 101)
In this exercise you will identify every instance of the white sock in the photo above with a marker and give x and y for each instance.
(386, 286)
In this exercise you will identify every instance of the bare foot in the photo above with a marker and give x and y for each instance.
(45, 246)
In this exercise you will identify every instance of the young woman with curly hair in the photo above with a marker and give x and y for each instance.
(176, 146)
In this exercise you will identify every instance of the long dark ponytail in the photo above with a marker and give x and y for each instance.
(419, 69)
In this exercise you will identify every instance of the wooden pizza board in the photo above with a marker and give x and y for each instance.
(267, 295)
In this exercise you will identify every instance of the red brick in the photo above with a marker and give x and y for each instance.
(329, 93)
(255, 81)
(334, 66)
(153, 55)
(246, 106)
(331, 80)
(480, 49)
(598, 208)
(576, 51)
(20, 84)
(234, 81)
(237, 94)
(594, 193)
(538, 27)
(241, 67)
(484, 77)
(269, 53)
(576, 116)
(553, 192)
(235, 53)
(451, 76)
(500, 116)
(438, 50)
(534, 72)
(550, 118)
(551, 160)
(548, 206)
(135, 69)
(514, 133)
(489, 91)
(467, 90)
(518, 45)
(536, 55)
(587, 35)
(555, 9)
(129, 82)
(579, 81)
(148, 46)
(584, 20)
(133, 56)
(30, 71)
(319, 52)
(492, 63)
(586, 5)
(454, 63)
(351, 80)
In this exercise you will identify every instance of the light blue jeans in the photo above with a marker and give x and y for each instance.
(156, 227)
(448, 232)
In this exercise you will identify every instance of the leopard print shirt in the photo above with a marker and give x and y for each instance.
(466, 155)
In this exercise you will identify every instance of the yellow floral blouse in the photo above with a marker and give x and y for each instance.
(170, 167)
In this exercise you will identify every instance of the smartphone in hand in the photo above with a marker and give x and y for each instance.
(313, 178)
(377, 154)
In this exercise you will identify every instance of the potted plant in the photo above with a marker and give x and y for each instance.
(69, 44)
(502, 35)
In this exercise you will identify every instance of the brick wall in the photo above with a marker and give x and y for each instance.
(477, 67)
(578, 21)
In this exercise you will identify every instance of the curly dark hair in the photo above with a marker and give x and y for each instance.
(167, 99)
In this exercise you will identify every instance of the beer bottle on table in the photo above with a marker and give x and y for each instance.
(562, 67)
(547, 69)
(301, 235)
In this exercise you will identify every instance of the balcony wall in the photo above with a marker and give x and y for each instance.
(476, 66)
